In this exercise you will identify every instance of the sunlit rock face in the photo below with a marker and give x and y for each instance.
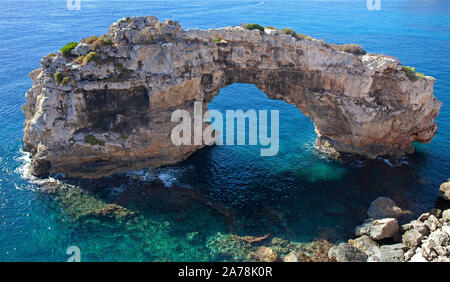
(112, 113)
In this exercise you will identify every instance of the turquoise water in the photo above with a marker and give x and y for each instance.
(295, 195)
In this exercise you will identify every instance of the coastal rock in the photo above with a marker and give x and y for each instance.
(365, 244)
(432, 223)
(444, 191)
(266, 254)
(346, 253)
(110, 110)
(383, 207)
(446, 215)
(378, 229)
(296, 257)
(416, 225)
(436, 245)
(418, 257)
(412, 238)
(392, 253)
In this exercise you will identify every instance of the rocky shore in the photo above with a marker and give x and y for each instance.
(104, 105)
(382, 239)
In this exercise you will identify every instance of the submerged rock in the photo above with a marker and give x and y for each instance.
(383, 207)
(110, 110)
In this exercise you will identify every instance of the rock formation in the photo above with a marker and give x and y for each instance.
(424, 239)
(105, 106)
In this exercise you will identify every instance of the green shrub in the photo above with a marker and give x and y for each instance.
(411, 73)
(58, 76)
(288, 31)
(66, 50)
(91, 57)
(101, 41)
(90, 139)
(65, 80)
(303, 36)
(127, 19)
(217, 39)
(255, 26)
(349, 48)
(271, 27)
(90, 39)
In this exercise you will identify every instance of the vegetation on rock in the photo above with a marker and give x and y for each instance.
(66, 50)
(58, 76)
(90, 139)
(255, 26)
(412, 74)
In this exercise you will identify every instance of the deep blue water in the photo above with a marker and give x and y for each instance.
(293, 195)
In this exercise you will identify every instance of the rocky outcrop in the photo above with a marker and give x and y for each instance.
(106, 105)
(424, 239)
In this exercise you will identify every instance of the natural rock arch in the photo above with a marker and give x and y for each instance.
(112, 112)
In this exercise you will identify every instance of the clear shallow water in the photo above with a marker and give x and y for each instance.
(294, 195)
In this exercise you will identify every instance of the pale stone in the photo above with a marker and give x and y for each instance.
(412, 238)
(444, 191)
(378, 229)
(365, 244)
(266, 254)
(392, 253)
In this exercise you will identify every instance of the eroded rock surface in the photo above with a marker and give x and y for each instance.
(109, 109)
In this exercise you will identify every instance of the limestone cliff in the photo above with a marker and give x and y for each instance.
(105, 106)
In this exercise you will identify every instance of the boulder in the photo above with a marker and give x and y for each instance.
(296, 257)
(412, 238)
(416, 225)
(444, 191)
(346, 253)
(432, 223)
(365, 244)
(446, 216)
(418, 257)
(436, 245)
(392, 253)
(266, 254)
(383, 207)
(378, 229)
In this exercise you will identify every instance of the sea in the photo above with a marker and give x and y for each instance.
(297, 195)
